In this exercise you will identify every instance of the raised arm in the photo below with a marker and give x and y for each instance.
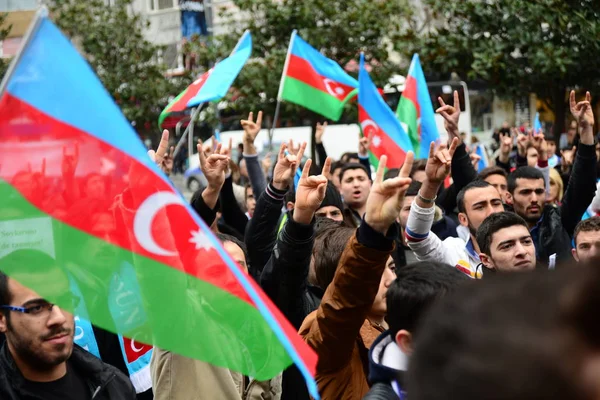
(321, 152)
(262, 228)
(350, 296)
(582, 183)
(287, 271)
(255, 172)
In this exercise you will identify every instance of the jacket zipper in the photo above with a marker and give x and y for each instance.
(101, 387)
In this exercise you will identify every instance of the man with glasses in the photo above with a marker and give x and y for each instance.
(38, 359)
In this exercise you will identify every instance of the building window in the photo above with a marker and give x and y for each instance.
(159, 5)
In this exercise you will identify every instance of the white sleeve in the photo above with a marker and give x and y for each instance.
(425, 244)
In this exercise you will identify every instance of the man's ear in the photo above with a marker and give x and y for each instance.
(575, 256)
(486, 261)
(404, 341)
(509, 198)
(3, 323)
(462, 219)
(289, 206)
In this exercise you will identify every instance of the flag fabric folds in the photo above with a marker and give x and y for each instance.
(484, 160)
(90, 213)
(314, 81)
(415, 110)
(214, 83)
(379, 123)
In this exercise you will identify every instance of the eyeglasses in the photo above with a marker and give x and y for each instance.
(41, 307)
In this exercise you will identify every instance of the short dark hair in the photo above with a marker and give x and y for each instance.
(391, 173)
(351, 166)
(492, 224)
(5, 297)
(223, 237)
(525, 172)
(489, 171)
(460, 198)
(494, 337)
(413, 188)
(587, 225)
(337, 164)
(330, 243)
(418, 165)
(415, 288)
(348, 155)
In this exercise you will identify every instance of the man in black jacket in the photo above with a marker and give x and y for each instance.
(551, 227)
(39, 359)
(408, 298)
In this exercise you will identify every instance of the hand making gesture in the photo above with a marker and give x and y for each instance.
(451, 115)
(583, 114)
(286, 166)
(439, 162)
(251, 130)
(310, 192)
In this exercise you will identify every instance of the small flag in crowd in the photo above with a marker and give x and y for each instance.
(415, 110)
(378, 122)
(313, 81)
(537, 125)
(213, 84)
(484, 160)
(182, 291)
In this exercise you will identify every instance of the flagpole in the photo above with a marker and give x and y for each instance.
(195, 112)
(41, 13)
(279, 93)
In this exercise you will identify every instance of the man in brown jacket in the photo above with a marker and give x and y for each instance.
(351, 314)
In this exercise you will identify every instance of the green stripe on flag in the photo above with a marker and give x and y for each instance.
(407, 114)
(164, 113)
(314, 99)
(124, 292)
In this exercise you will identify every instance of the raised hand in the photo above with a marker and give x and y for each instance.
(451, 115)
(439, 162)
(540, 144)
(522, 143)
(161, 157)
(567, 157)
(364, 144)
(385, 198)
(319, 131)
(213, 167)
(506, 143)
(310, 192)
(293, 149)
(251, 130)
(583, 114)
(69, 162)
(475, 158)
(286, 166)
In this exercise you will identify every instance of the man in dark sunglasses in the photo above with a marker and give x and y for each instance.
(39, 359)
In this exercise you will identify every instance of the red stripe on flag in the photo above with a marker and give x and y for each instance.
(190, 93)
(302, 70)
(381, 143)
(162, 233)
(410, 93)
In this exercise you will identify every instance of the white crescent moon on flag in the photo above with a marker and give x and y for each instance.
(135, 349)
(327, 82)
(142, 222)
(366, 123)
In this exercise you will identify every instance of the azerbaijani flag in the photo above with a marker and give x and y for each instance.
(313, 81)
(377, 120)
(84, 212)
(484, 160)
(214, 83)
(415, 110)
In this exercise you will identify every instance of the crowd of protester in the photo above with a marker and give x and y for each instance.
(404, 281)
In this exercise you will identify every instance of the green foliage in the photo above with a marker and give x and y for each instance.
(338, 28)
(3, 34)
(518, 47)
(111, 39)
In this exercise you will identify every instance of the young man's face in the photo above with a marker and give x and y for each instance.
(587, 247)
(405, 210)
(551, 148)
(250, 201)
(500, 183)
(331, 212)
(479, 204)
(355, 187)
(529, 198)
(389, 274)
(532, 157)
(512, 249)
(41, 339)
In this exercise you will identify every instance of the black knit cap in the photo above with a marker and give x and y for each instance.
(332, 197)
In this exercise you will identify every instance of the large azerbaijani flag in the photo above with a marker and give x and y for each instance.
(415, 110)
(378, 121)
(83, 210)
(214, 83)
(314, 81)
